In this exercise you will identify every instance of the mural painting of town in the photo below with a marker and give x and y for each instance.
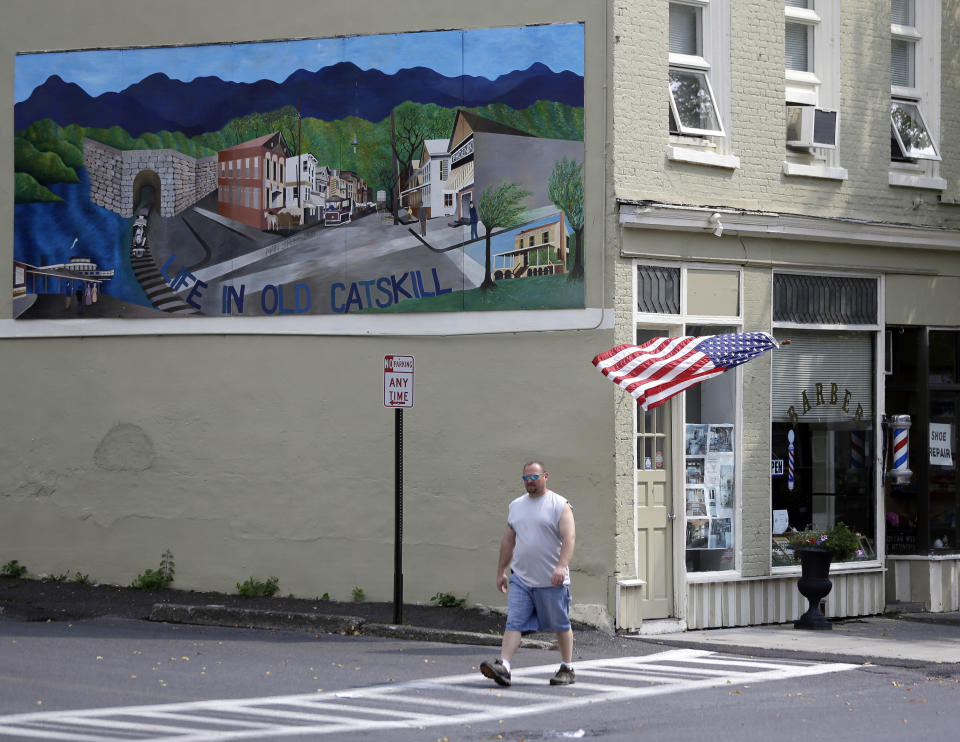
(422, 172)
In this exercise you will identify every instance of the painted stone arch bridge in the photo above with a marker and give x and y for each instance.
(117, 177)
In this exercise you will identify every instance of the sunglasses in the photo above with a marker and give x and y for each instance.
(531, 477)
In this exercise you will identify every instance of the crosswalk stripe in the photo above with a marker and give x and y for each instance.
(631, 677)
(48, 734)
(450, 700)
(459, 705)
(200, 719)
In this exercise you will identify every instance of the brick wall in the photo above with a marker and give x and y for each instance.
(641, 169)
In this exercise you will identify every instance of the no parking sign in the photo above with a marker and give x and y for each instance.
(398, 381)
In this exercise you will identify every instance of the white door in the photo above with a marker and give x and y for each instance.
(655, 517)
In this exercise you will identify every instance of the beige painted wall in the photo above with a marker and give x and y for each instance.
(642, 170)
(272, 455)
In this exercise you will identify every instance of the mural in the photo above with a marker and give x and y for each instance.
(421, 172)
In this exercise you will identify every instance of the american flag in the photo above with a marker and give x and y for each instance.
(662, 367)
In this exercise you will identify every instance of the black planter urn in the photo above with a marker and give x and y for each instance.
(814, 584)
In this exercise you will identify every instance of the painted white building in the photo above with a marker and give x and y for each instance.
(434, 171)
(300, 193)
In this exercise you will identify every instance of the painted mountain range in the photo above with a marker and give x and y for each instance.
(207, 103)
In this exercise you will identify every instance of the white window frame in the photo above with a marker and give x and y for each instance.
(925, 35)
(674, 324)
(802, 85)
(714, 149)
(818, 87)
(879, 386)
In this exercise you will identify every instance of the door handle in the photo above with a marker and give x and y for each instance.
(671, 516)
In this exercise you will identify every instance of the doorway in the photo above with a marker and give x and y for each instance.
(655, 515)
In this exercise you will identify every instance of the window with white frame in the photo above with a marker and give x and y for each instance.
(698, 85)
(693, 106)
(812, 89)
(915, 92)
(801, 25)
(691, 299)
(824, 409)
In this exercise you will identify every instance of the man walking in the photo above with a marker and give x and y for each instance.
(538, 546)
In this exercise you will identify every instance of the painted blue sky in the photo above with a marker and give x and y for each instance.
(482, 52)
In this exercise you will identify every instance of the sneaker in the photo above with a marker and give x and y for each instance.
(564, 676)
(496, 672)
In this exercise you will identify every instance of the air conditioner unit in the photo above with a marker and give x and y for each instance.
(808, 126)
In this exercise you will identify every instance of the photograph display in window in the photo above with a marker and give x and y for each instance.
(710, 489)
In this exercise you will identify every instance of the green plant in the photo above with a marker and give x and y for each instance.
(13, 568)
(448, 600)
(325, 596)
(156, 579)
(358, 595)
(61, 577)
(81, 579)
(254, 588)
(841, 541)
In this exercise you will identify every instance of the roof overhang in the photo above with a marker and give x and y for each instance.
(774, 225)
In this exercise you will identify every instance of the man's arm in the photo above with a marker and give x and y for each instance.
(507, 544)
(568, 536)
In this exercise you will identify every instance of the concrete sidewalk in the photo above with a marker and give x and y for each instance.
(905, 640)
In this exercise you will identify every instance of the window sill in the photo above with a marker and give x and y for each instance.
(814, 171)
(866, 565)
(699, 157)
(906, 180)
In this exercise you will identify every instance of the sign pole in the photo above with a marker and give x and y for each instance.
(398, 393)
(398, 519)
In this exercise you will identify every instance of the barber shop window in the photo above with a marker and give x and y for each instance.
(823, 437)
(823, 455)
(710, 471)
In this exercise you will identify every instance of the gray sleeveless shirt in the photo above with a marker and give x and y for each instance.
(536, 521)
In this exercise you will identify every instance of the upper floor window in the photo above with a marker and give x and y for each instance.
(804, 60)
(812, 88)
(693, 106)
(798, 36)
(914, 80)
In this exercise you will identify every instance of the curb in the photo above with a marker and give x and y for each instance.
(422, 633)
(247, 618)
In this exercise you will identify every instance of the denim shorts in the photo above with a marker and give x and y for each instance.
(537, 608)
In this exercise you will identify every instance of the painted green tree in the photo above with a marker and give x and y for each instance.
(565, 189)
(499, 207)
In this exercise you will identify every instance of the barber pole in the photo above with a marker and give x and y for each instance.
(901, 448)
(790, 461)
(900, 473)
(857, 444)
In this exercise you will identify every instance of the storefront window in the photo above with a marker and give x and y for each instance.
(903, 509)
(921, 515)
(942, 439)
(823, 437)
(710, 491)
(944, 482)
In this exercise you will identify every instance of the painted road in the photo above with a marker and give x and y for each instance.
(446, 702)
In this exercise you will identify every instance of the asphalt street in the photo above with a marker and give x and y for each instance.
(120, 679)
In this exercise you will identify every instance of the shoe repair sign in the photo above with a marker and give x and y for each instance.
(398, 381)
(941, 445)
